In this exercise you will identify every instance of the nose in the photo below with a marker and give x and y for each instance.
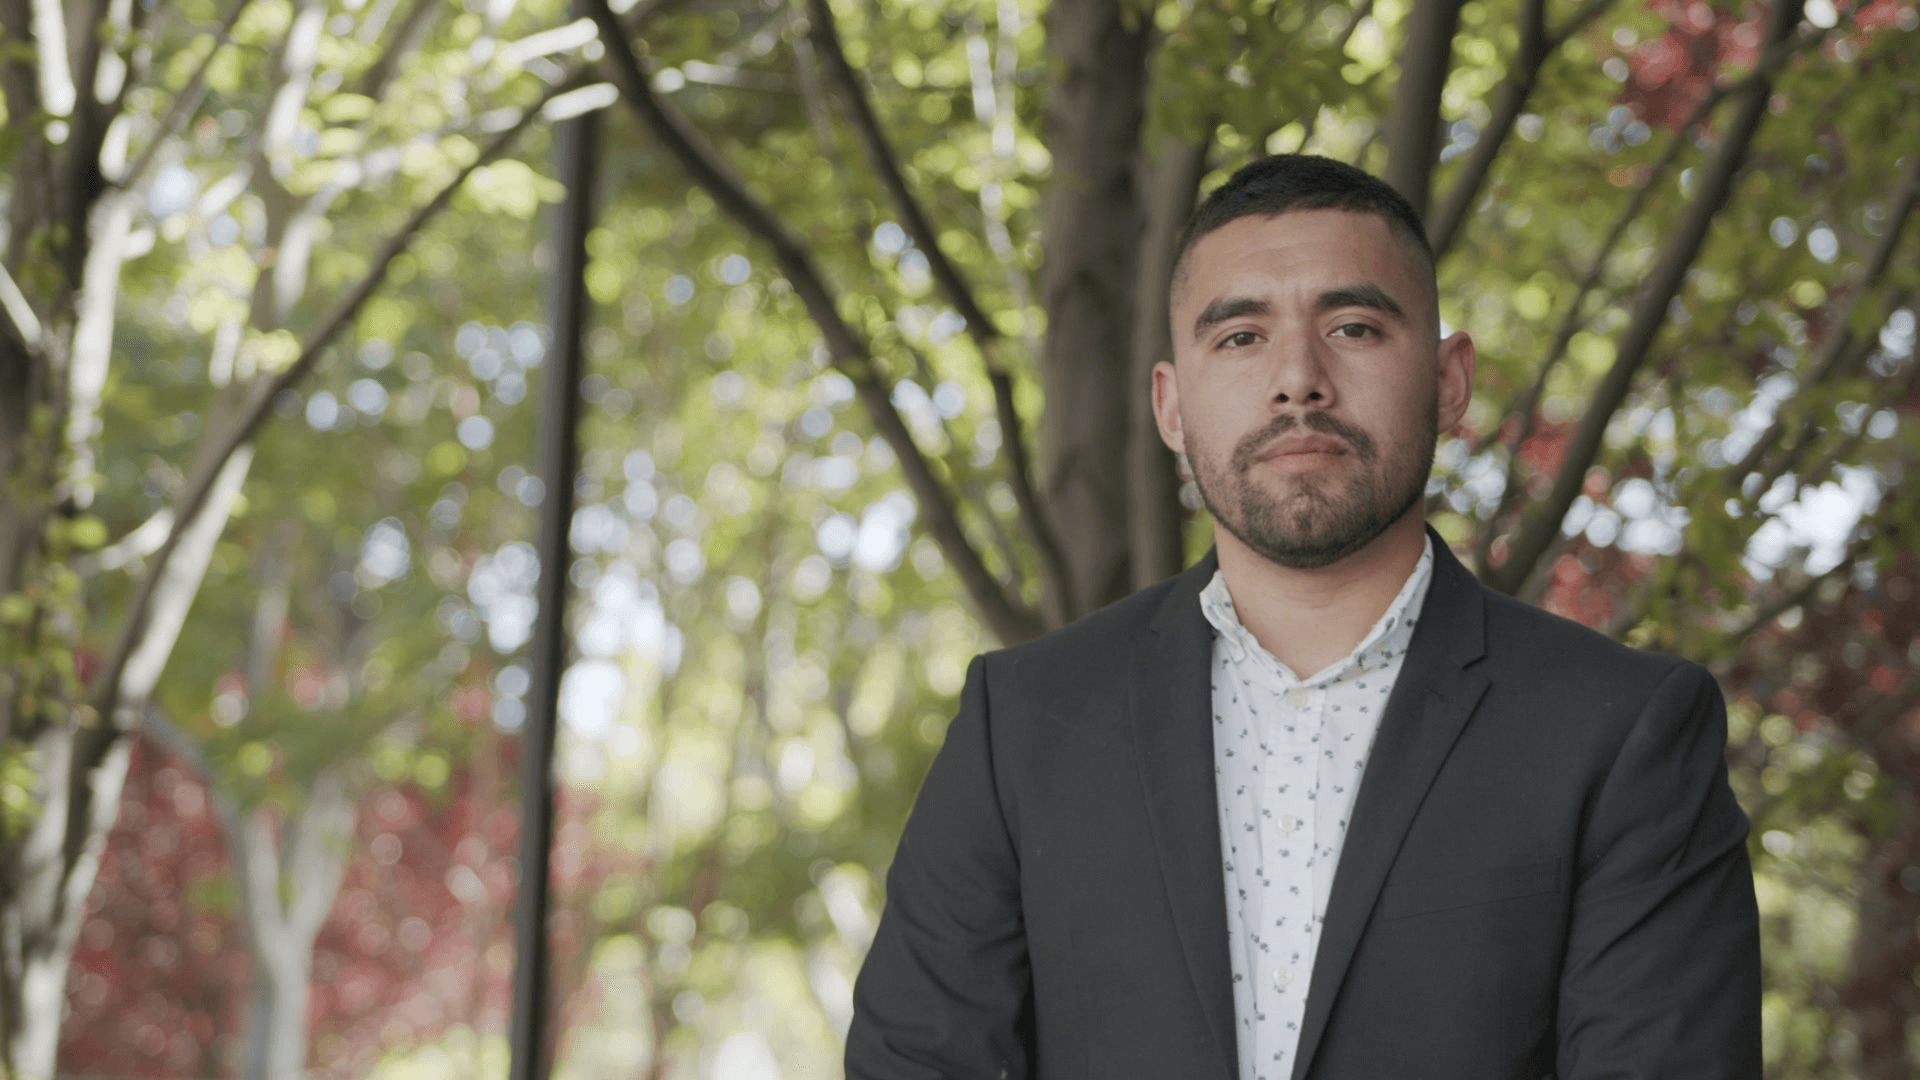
(1300, 375)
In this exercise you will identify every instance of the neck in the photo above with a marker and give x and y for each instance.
(1309, 619)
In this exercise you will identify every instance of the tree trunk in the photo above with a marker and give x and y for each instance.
(19, 81)
(1091, 218)
(81, 768)
(1170, 181)
(19, 523)
(286, 879)
(1413, 129)
(48, 896)
(280, 935)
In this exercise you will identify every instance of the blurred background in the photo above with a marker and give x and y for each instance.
(871, 290)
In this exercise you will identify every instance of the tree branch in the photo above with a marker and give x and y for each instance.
(168, 736)
(1633, 611)
(1011, 620)
(826, 41)
(1649, 316)
(807, 73)
(24, 327)
(373, 81)
(1013, 441)
(1527, 410)
(1536, 48)
(48, 881)
(1890, 398)
(185, 103)
(1413, 126)
(223, 450)
(91, 347)
(1339, 45)
(220, 444)
(316, 855)
(76, 170)
(993, 107)
(825, 36)
(1886, 517)
(1788, 458)
(1838, 355)
(641, 12)
(30, 195)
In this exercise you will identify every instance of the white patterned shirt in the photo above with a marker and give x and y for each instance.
(1288, 756)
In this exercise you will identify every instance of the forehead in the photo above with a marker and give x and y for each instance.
(1298, 250)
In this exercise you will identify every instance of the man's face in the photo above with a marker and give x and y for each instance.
(1309, 381)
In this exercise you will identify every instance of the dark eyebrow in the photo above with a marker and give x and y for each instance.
(1365, 294)
(1228, 307)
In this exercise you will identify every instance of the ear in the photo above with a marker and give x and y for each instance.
(1456, 379)
(1166, 407)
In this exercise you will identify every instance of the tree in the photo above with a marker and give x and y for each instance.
(1686, 432)
(147, 207)
(855, 247)
(166, 977)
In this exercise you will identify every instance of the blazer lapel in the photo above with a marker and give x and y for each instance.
(1432, 699)
(1172, 705)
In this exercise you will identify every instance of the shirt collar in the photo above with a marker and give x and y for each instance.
(1382, 644)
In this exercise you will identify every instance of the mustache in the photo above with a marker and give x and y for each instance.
(1250, 447)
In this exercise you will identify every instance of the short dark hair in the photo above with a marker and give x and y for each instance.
(1283, 182)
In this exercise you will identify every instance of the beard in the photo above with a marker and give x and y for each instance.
(1321, 520)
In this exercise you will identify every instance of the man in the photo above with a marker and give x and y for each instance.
(1321, 806)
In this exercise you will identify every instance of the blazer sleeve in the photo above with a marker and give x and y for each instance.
(946, 990)
(1662, 970)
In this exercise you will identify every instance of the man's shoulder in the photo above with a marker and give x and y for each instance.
(1521, 635)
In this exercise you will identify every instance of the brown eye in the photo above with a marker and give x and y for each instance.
(1357, 330)
(1240, 339)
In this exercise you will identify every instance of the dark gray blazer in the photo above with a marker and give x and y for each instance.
(1545, 873)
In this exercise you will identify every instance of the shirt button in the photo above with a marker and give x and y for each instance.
(1298, 698)
(1282, 977)
(1289, 823)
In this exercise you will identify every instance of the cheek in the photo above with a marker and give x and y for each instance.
(1193, 406)
(1406, 400)
(1225, 401)
(1211, 430)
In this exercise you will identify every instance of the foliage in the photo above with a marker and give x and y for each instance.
(771, 616)
(159, 974)
(192, 233)
(1801, 283)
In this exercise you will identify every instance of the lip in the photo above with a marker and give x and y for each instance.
(1305, 445)
(1304, 452)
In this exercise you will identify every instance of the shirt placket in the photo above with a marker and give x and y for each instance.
(1245, 775)
(1333, 785)
(1291, 781)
